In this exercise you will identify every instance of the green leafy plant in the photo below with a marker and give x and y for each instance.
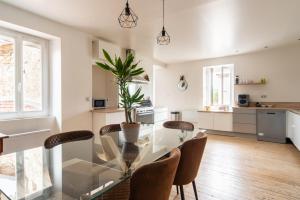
(124, 71)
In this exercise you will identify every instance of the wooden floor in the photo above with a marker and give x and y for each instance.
(243, 168)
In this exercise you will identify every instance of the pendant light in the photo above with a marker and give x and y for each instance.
(163, 38)
(127, 18)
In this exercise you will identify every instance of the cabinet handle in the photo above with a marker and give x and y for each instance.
(271, 113)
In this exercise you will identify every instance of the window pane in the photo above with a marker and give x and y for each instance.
(227, 86)
(217, 86)
(7, 75)
(32, 77)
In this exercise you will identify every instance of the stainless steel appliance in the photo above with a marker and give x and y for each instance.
(145, 113)
(271, 125)
(99, 103)
(243, 100)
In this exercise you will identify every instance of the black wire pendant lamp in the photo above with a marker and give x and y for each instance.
(163, 38)
(127, 18)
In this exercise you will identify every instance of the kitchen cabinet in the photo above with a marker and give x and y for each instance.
(111, 49)
(161, 115)
(206, 120)
(223, 121)
(101, 119)
(293, 128)
(244, 120)
(215, 121)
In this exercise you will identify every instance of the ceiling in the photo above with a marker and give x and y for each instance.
(199, 29)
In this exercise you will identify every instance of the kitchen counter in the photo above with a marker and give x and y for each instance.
(108, 110)
(293, 110)
(216, 111)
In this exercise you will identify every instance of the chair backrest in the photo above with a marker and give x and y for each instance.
(154, 181)
(182, 125)
(110, 128)
(191, 155)
(71, 136)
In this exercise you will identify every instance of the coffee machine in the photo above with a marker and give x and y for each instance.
(243, 100)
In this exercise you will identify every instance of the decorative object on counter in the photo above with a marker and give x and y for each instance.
(127, 18)
(163, 38)
(258, 104)
(146, 77)
(263, 81)
(237, 79)
(207, 108)
(123, 72)
(182, 84)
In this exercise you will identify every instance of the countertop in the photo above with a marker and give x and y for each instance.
(108, 110)
(293, 110)
(296, 110)
(216, 111)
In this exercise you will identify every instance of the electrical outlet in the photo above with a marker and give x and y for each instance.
(263, 96)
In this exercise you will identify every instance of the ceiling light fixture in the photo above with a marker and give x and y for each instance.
(127, 18)
(163, 38)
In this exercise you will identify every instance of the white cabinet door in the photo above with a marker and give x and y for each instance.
(115, 118)
(223, 121)
(291, 125)
(99, 45)
(296, 137)
(163, 116)
(206, 120)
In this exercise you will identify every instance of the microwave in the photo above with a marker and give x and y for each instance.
(99, 103)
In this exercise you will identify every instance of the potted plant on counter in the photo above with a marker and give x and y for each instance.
(124, 71)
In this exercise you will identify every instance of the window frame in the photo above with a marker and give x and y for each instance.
(205, 84)
(19, 38)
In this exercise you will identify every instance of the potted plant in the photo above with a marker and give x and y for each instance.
(123, 72)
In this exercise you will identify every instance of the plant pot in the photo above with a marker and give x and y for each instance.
(131, 131)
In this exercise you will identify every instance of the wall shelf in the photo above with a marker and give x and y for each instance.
(251, 84)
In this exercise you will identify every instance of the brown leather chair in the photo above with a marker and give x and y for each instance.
(182, 125)
(71, 136)
(110, 128)
(191, 155)
(154, 181)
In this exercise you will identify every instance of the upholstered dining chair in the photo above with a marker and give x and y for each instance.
(191, 155)
(71, 136)
(154, 180)
(110, 128)
(182, 125)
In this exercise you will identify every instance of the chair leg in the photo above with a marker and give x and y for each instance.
(177, 191)
(181, 192)
(195, 189)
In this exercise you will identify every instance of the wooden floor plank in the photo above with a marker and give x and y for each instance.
(243, 168)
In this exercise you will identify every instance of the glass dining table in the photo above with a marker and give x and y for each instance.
(84, 169)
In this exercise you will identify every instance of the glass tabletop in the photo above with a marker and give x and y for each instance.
(83, 169)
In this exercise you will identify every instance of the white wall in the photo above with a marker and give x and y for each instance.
(280, 66)
(75, 70)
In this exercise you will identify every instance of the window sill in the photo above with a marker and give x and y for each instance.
(16, 118)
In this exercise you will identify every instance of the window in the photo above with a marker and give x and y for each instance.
(218, 85)
(23, 75)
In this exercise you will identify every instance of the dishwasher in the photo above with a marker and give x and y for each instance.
(271, 125)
